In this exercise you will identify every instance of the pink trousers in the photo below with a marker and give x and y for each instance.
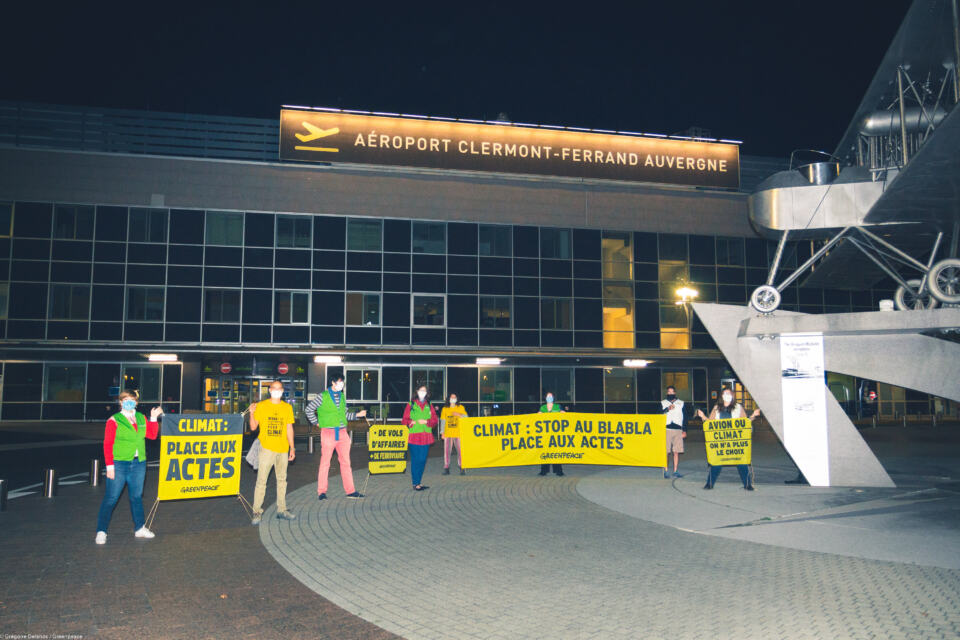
(342, 446)
(448, 444)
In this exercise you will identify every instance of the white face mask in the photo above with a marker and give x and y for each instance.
(549, 399)
(727, 398)
(338, 386)
(276, 394)
(453, 402)
(422, 395)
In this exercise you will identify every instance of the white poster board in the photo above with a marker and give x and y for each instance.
(805, 405)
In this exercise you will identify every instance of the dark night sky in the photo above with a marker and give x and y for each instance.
(777, 75)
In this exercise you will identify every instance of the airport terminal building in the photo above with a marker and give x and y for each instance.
(198, 258)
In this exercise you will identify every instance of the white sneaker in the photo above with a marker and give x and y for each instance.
(101, 537)
(142, 532)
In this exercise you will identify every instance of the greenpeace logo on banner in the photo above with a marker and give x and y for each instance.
(586, 438)
(198, 449)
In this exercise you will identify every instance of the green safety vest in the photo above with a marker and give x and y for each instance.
(416, 413)
(556, 408)
(329, 415)
(129, 441)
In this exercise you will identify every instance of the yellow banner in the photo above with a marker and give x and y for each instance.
(564, 438)
(728, 441)
(387, 444)
(200, 456)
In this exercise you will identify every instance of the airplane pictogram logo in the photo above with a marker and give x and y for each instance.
(316, 133)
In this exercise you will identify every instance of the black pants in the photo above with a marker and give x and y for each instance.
(545, 468)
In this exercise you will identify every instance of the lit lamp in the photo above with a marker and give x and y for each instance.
(686, 295)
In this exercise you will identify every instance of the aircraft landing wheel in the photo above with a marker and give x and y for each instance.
(765, 299)
(944, 281)
(908, 300)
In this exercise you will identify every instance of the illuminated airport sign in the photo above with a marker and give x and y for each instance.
(338, 137)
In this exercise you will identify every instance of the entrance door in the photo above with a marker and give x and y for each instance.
(226, 394)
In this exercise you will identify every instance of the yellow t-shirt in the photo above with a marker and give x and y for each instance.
(452, 416)
(273, 420)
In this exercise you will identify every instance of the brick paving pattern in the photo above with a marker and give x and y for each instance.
(505, 554)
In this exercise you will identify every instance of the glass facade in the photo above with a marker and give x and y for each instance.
(88, 274)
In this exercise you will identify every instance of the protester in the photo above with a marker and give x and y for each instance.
(125, 454)
(676, 430)
(550, 407)
(725, 409)
(450, 432)
(276, 440)
(328, 410)
(420, 418)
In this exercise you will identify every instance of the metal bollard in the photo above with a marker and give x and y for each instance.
(50, 482)
(310, 445)
(3, 494)
(94, 477)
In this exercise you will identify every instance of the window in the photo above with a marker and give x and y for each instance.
(730, 251)
(145, 380)
(6, 219)
(69, 302)
(618, 385)
(672, 274)
(618, 324)
(144, 303)
(362, 385)
(148, 225)
(675, 326)
(617, 251)
(4, 298)
(224, 228)
(294, 232)
(495, 384)
(291, 307)
(427, 311)
(363, 309)
(679, 380)
(429, 237)
(364, 235)
(221, 305)
(64, 383)
(73, 223)
(495, 312)
(496, 240)
(560, 382)
(433, 379)
(555, 243)
(555, 313)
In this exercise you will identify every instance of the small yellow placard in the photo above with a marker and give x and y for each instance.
(387, 444)
(728, 441)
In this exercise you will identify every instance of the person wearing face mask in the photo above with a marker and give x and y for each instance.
(450, 432)
(420, 418)
(725, 409)
(676, 430)
(276, 437)
(125, 453)
(550, 407)
(328, 411)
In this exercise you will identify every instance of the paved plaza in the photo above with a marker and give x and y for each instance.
(502, 553)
